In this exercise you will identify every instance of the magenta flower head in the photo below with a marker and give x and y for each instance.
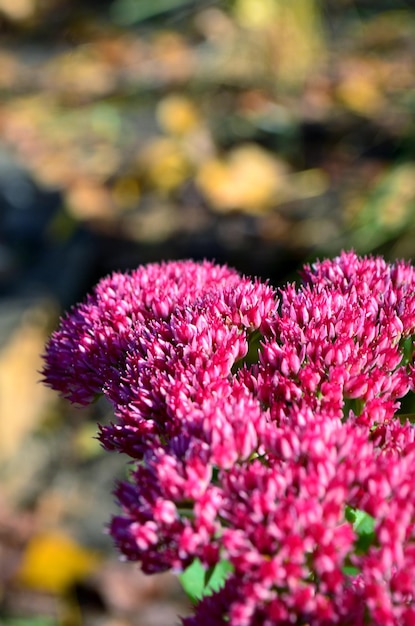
(264, 430)
(89, 345)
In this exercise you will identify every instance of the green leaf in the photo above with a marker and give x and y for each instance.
(350, 514)
(352, 404)
(364, 523)
(364, 527)
(193, 580)
(216, 576)
(407, 347)
(252, 356)
(198, 582)
(350, 570)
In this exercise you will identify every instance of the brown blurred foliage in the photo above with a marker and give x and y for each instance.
(220, 96)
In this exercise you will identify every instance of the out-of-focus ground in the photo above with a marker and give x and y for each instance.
(261, 133)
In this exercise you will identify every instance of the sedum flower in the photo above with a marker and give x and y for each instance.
(92, 338)
(263, 428)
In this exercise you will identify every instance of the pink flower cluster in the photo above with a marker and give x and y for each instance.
(262, 425)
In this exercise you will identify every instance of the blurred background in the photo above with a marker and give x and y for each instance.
(259, 133)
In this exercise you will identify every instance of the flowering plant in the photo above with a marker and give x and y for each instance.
(271, 466)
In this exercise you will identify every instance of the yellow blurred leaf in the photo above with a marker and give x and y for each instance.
(256, 13)
(359, 88)
(250, 179)
(177, 115)
(359, 94)
(53, 562)
(291, 42)
(22, 400)
(164, 164)
(81, 71)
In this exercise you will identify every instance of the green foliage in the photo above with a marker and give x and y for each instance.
(199, 582)
(364, 526)
(128, 12)
(407, 345)
(252, 356)
(29, 621)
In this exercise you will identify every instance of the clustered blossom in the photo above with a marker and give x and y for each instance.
(261, 424)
